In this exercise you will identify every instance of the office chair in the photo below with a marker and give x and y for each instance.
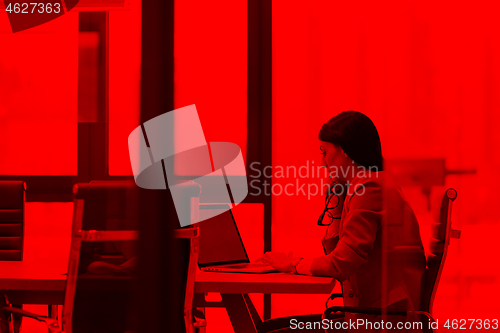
(194, 320)
(12, 219)
(12, 202)
(441, 234)
(103, 213)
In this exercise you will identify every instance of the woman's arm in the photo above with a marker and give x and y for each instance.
(359, 231)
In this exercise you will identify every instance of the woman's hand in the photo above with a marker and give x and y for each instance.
(278, 260)
(335, 185)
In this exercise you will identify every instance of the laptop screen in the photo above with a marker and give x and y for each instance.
(220, 241)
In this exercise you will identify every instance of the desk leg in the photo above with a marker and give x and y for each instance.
(5, 317)
(54, 312)
(242, 313)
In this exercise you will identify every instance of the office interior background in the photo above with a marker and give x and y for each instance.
(427, 73)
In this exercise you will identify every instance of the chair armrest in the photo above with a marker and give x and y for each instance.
(107, 235)
(332, 297)
(372, 311)
(186, 233)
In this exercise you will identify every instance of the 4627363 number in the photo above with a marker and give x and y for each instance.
(33, 8)
(463, 324)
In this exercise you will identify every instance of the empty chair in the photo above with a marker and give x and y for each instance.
(99, 287)
(11, 219)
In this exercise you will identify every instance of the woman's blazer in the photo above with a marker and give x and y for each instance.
(375, 250)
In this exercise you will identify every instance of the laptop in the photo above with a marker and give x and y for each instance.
(221, 247)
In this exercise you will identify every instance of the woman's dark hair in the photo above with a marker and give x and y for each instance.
(358, 137)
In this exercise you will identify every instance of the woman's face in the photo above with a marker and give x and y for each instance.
(335, 161)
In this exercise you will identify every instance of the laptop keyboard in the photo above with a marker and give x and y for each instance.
(252, 265)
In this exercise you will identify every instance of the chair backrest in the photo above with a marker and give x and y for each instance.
(12, 220)
(189, 193)
(441, 234)
(104, 212)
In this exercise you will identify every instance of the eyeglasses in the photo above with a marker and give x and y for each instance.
(327, 211)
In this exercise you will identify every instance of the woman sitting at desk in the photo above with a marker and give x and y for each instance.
(372, 243)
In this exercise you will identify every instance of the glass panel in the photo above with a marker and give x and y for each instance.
(210, 71)
(211, 66)
(428, 81)
(38, 98)
(124, 84)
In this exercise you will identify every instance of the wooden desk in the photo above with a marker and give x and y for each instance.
(40, 278)
(26, 282)
(234, 289)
